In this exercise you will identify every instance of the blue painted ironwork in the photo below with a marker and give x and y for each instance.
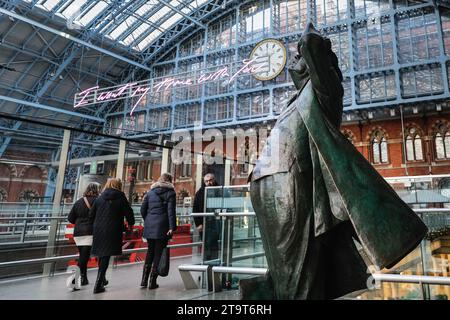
(351, 22)
(356, 22)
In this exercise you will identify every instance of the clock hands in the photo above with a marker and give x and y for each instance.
(270, 55)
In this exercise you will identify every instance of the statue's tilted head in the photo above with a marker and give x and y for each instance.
(298, 68)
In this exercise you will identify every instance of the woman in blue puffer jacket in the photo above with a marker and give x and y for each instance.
(158, 212)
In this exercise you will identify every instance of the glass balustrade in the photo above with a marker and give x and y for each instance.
(232, 238)
(239, 244)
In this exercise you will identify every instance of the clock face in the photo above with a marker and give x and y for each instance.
(271, 54)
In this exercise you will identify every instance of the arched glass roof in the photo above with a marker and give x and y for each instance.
(134, 24)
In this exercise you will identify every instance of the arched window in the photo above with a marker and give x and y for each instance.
(3, 195)
(442, 142)
(184, 170)
(247, 156)
(29, 195)
(245, 165)
(413, 145)
(379, 148)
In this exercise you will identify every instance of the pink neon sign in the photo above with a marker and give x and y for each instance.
(93, 95)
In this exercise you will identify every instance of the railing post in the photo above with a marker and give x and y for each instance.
(425, 288)
(230, 225)
(422, 291)
(25, 223)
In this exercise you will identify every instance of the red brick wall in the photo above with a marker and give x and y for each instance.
(393, 130)
(361, 137)
(15, 178)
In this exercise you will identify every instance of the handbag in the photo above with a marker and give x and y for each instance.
(164, 263)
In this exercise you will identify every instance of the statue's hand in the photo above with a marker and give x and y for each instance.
(310, 29)
(308, 34)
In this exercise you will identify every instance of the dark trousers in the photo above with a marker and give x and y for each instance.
(85, 253)
(103, 263)
(154, 252)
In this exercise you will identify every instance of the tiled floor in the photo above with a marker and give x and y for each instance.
(123, 285)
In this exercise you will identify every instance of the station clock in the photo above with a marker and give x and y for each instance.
(272, 54)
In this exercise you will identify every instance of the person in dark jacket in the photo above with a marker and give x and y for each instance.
(209, 180)
(108, 214)
(214, 227)
(82, 233)
(158, 212)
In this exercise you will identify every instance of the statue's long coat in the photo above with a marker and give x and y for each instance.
(312, 191)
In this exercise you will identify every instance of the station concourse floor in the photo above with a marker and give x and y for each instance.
(123, 284)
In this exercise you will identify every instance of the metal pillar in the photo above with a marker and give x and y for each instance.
(227, 178)
(165, 161)
(250, 168)
(57, 200)
(198, 183)
(121, 159)
(119, 175)
(199, 171)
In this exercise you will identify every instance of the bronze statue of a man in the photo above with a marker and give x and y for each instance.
(313, 192)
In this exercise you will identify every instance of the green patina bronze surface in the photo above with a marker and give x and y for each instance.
(313, 192)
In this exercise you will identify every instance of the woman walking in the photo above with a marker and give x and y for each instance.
(108, 213)
(82, 233)
(158, 212)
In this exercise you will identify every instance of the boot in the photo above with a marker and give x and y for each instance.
(100, 283)
(153, 277)
(84, 279)
(145, 275)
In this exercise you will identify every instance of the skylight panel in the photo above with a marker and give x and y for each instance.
(124, 26)
(49, 4)
(145, 8)
(93, 13)
(136, 33)
(73, 8)
(152, 36)
(142, 45)
(121, 28)
(164, 10)
(171, 21)
(147, 40)
(197, 3)
(107, 26)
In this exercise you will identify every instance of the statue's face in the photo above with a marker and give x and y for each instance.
(298, 71)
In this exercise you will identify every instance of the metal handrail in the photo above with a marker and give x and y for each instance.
(240, 270)
(46, 218)
(34, 218)
(193, 267)
(223, 214)
(203, 214)
(237, 214)
(418, 177)
(74, 256)
(432, 210)
(385, 277)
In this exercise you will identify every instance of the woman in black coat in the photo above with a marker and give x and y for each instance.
(158, 212)
(107, 213)
(82, 233)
